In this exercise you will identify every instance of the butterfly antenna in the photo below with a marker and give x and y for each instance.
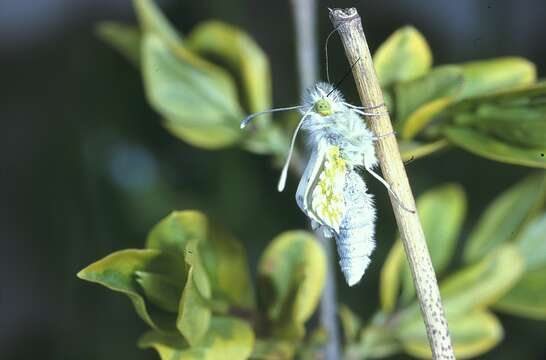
(249, 118)
(284, 172)
(326, 53)
(344, 77)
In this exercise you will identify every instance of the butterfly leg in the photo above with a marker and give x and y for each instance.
(386, 184)
(378, 137)
(362, 110)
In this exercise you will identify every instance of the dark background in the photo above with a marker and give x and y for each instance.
(86, 168)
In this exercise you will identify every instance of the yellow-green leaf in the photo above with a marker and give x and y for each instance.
(225, 260)
(117, 272)
(486, 76)
(518, 124)
(273, 349)
(532, 242)
(442, 211)
(350, 323)
(192, 100)
(163, 291)
(291, 278)
(421, 117)
(194, 312)
(405, 55)
(412, 150)
(123, 38)
(153, 21)
(505, 216)
(472, 334)
(440, 82)
(528, 297)
(227, 338)
(241, 53)
(173, 232)
(488, 147)
(390, 277)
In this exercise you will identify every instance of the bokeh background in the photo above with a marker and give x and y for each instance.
(86, 167)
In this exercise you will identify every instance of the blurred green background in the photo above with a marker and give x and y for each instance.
(87, 168)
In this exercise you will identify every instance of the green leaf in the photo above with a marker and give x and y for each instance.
(194, 312)
(223, 257)
(488, 147)
(273, 349)
(521, 125)
(227, 338)
(291, 278)
(475, 286)
(234, 47)
(225, 260)
(200, 107)
(472, 334)
(483, 283)
(163, 291)
(123, 38)
(390, 277)
(412, 150)
(440, 82)
(531, 242)
(504, 217)
(153, 21)
(486, 76)
(442, 211)
(117, 272)
(404, 56)
(528, 297)
(173, 232)
(423, 116)
(350, 323)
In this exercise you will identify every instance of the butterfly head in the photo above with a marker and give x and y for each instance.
(323, 99)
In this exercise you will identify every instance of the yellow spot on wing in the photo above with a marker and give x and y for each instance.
(328, 202)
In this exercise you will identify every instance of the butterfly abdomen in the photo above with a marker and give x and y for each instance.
(355, 239)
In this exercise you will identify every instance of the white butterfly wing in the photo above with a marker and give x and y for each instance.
(320, 192)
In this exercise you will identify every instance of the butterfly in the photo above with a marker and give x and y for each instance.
(332, 192)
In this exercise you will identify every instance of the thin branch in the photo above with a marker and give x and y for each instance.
(307, 56)
(349, 26)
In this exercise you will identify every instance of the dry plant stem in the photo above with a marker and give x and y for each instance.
(350, 30)
(307, 56)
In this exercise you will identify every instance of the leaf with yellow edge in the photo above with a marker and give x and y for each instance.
(350, 323)
(291, 278)
(390, 277)
(528, 297)
(489, 147)
(475, 286)
(412, 150)
(423, 116)
(152, 20)
(505, 216)
(486, 76)
(273, 349)
(173, 232)
(228, 338)
(405, 55)
(202, 107)
(442, 211)
(124, 38)
(118, 272)
(235, 47)
(472, 334)
(440, 82)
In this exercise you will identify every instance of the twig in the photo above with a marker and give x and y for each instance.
(350, 30)
(307, 57)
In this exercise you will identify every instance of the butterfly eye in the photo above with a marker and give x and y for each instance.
(323, 107)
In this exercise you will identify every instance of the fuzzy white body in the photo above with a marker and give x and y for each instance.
(331, 192)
